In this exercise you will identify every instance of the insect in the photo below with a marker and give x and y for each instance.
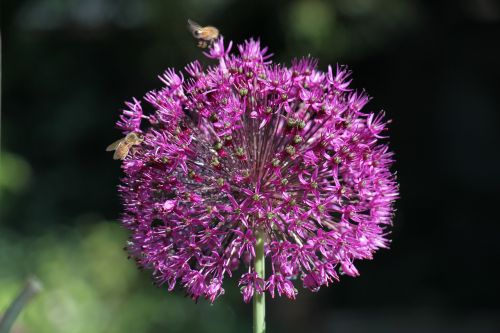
(205, 35)
(122, 146)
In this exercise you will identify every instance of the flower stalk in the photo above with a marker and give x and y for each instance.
(259, 299)
(32, 287)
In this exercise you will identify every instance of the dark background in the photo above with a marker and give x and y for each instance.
(68, 66)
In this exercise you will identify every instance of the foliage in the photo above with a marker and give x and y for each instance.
(90, 286)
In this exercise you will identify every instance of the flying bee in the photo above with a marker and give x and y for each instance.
(205, 35)
(122, 146)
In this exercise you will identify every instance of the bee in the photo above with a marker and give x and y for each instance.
(122, 146)
(205, 35)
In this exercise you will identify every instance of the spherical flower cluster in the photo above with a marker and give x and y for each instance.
(246, 147)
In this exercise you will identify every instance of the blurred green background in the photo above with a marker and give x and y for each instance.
(68, 66)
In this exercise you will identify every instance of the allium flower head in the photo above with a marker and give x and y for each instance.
(250, 146)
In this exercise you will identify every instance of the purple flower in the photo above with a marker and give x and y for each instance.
(248, 145)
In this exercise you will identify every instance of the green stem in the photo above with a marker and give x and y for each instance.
(33, 286)
(259, 300)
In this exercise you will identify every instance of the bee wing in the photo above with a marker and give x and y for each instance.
(194, 28)
(117, 155)
(121, 151)
(114, 145)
